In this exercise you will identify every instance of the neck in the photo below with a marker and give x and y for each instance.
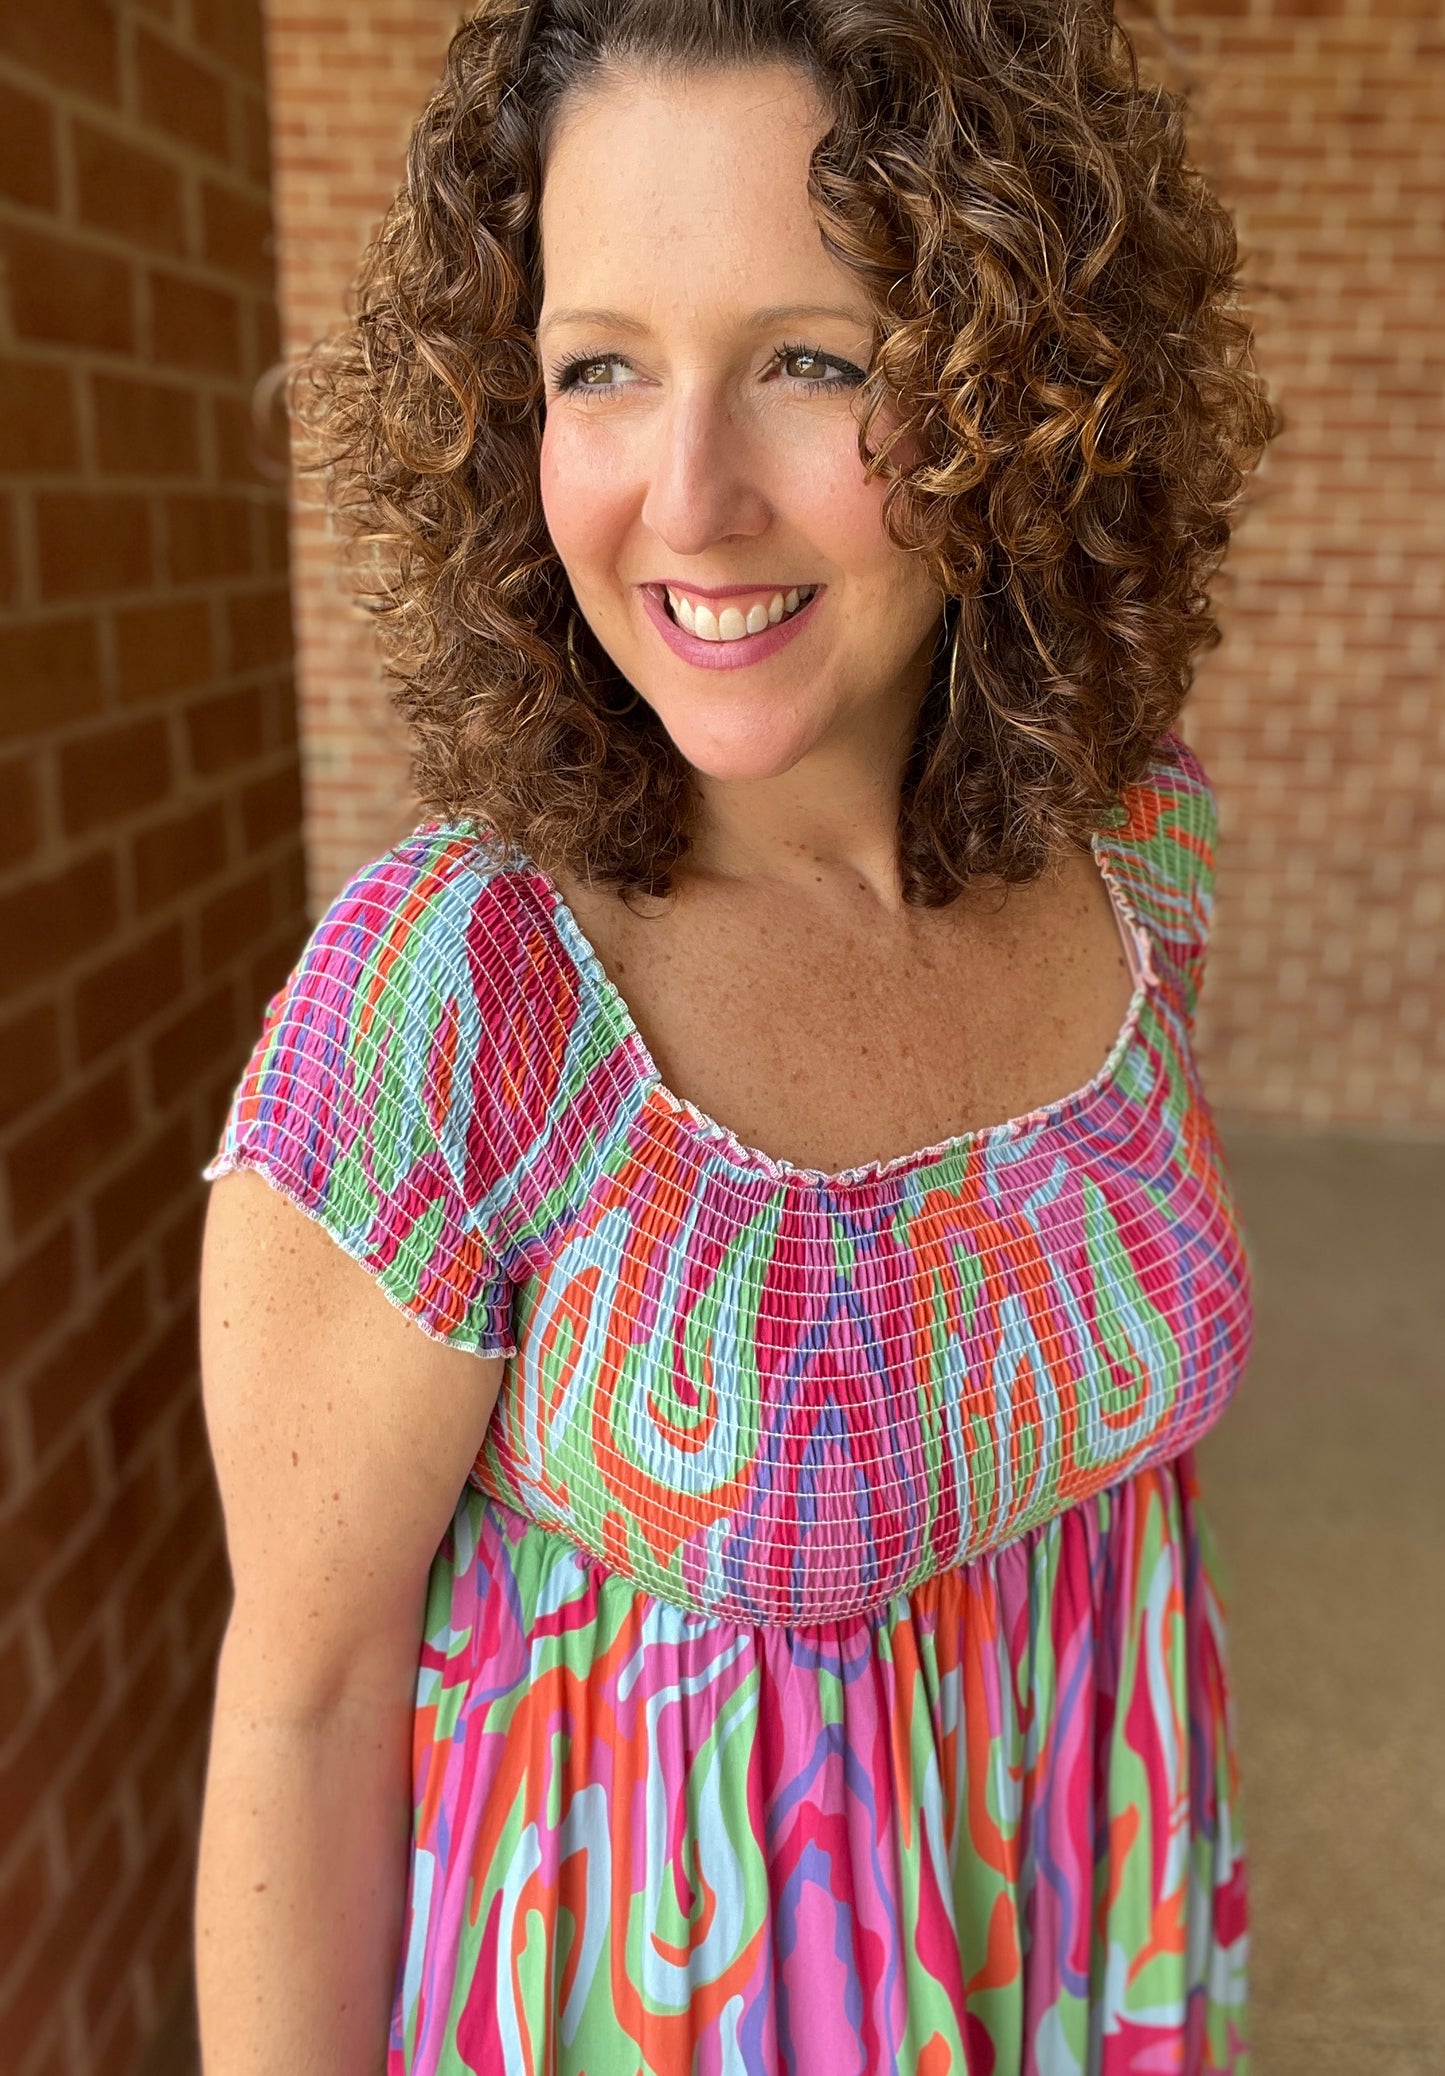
(830, 821)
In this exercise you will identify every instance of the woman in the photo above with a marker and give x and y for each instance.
(763, 1620)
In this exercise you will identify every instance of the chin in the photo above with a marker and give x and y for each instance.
(742, 746)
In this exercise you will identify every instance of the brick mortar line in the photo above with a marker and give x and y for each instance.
(141, 259)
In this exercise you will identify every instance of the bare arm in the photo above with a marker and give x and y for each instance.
(342, 1435)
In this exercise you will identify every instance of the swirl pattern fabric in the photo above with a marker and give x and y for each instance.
(989, 1827)
(824, 1669)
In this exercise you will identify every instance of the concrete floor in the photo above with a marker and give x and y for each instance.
(1324, 1484)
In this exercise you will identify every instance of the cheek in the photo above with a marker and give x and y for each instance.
(848, 523)
(830, 503)
(584, 492)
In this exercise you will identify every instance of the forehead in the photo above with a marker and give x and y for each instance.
(687, 186)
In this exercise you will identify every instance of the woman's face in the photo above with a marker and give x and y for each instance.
(702, 354)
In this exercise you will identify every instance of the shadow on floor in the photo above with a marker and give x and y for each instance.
(1323, 1482)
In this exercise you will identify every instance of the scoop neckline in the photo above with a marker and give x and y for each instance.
(722, 1139)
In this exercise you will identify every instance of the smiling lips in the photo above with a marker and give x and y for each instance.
(745, 613)
(723, 630)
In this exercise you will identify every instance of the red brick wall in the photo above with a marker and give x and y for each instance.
(1321, 718)
(346, 86)
(151, 897)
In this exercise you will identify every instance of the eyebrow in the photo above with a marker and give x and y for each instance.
(760, 320)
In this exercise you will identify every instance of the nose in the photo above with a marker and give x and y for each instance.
(703, 481)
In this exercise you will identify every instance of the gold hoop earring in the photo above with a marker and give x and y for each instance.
(953, 658)
(953, 663)
(573, 666)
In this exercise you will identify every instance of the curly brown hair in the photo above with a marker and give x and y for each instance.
(1058, 331)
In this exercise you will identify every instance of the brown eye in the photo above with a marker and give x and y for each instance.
(819, 370)
(576, 375)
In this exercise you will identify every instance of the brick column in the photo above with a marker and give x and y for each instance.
(151, 897)
(347, 84)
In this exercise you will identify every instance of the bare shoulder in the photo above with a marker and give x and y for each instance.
(341, 1432)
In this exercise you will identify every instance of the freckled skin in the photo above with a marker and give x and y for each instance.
(687, 441)
(685, 205)
(308, 1766)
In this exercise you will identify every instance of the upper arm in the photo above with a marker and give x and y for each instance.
(342, 1434)
(355, 1299)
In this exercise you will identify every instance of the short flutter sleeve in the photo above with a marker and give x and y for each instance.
(346, 1102)
(1183, 838)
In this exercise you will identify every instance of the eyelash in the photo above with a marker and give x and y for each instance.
(565, 373)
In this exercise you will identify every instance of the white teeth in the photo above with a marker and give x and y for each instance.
(730, 625)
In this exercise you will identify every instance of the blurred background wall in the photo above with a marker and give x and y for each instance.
(151, 897)
(154, 891)
(346, 86)
(1320, 719)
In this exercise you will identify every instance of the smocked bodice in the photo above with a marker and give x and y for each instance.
(785, 1397)
(824, 1666)
(758, 1390)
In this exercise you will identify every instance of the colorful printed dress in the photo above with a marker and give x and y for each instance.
(824, 1670)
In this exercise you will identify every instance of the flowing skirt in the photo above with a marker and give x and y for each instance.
(989, 1828)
